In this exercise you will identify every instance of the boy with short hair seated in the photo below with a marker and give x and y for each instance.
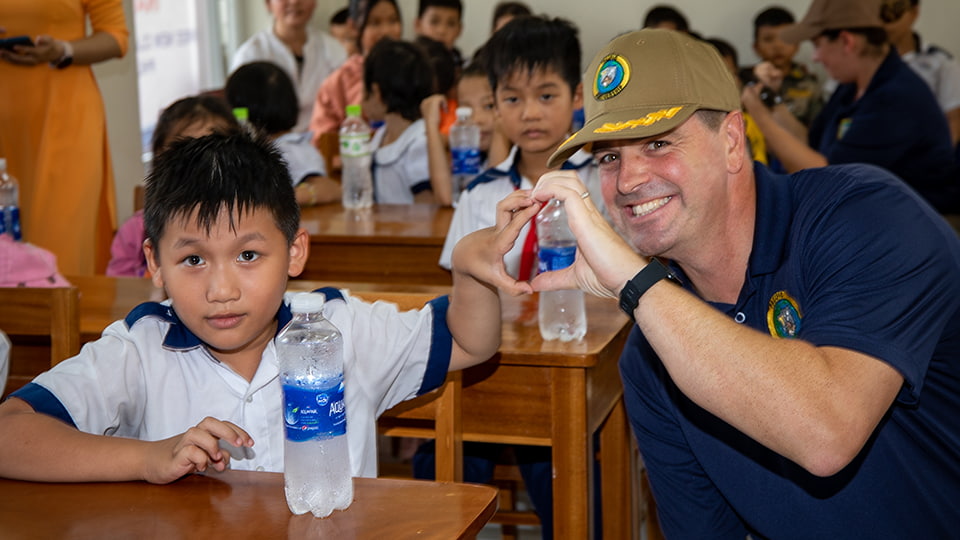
(267, 93)
(533, 64)
(396, 77)
(192, 384)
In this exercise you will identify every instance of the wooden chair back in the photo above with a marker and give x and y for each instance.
(39, 319)
(437, 414)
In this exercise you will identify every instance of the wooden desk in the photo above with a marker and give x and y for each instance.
(532, 392)
(385, 244)
(239, 504)
(548, 393)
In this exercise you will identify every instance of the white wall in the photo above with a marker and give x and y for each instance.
(118, 85)
(601, 20)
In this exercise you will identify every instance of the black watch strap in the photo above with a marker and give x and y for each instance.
(650, 274)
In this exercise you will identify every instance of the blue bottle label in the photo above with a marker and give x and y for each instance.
(556, 258)
(15, 222)
(466, 160)
(309, 413)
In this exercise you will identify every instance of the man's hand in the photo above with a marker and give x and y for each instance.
(604, 261)
(193, 451)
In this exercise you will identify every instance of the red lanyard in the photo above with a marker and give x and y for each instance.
(528, 267)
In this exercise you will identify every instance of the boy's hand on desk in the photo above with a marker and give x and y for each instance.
(193, 451)
(480, 254)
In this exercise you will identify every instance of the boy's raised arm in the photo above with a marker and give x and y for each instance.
(41, 448)
(478, 272)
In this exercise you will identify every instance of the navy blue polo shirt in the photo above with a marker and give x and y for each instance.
(843, 256)
(896, 124)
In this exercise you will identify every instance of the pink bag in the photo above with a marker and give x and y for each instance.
(26, 265)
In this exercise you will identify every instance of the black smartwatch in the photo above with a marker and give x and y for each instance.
(650, 274)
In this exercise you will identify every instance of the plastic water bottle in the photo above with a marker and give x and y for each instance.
(356, 178)
(562, 314)
(465, 150)
(316, 459)
(9, 203)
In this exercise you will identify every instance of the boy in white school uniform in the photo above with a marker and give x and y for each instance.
(192, 384)
(534, 68)
(397, 77)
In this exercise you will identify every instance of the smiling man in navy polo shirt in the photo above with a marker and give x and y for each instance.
(803, 380)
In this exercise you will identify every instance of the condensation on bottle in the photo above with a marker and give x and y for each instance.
(356, 178)
(561, 314)
(9, 203)
(316, 460)
(464, 150)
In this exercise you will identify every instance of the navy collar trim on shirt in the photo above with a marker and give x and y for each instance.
(510, 168)
(179, 337)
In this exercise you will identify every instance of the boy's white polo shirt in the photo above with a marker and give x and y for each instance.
(149, 378)
(477, 207)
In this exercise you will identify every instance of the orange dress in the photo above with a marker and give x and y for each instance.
(53, 132)
(341, 88)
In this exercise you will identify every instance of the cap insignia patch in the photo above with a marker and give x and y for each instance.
(613, 74)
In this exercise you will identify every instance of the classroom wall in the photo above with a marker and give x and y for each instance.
(601, 20)
(118, 86)
(598, 22)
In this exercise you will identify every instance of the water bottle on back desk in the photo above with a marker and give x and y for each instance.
(465, 150)
(356, 180)
(9, 203)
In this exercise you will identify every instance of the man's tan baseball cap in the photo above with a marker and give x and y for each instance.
(646, 83)
(834, 15)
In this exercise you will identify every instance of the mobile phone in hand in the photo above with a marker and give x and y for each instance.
(9, 43)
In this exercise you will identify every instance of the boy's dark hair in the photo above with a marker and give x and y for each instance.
(534, 43)
(340, 17)
(238, 172)
(452, 4)
(403, 74)
(186, 111)
(267, 93)
(661, 14)
(772, 16)
(441, 62)
(512, 9)
(725, 49)
(478, 64)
